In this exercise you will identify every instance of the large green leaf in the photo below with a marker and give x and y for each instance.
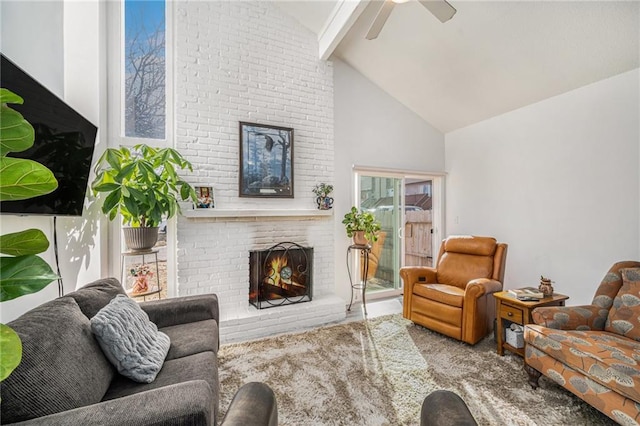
(11, 350)
(23, 275)
(8, 97)
(16, 134)
(31, 241)
(114, 158)
(112, 201)
(106, 187)
(23, 179)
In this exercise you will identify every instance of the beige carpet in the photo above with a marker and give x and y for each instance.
(377, 372)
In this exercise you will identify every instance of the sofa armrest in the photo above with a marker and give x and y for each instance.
(253, 404)
(182, 310)
(585, 317)
(189, 403)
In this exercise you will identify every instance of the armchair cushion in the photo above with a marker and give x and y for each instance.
(605, 358)
(458, 269)
(130, 341)
(94, 296)
(478, 246)
(447, 294)
(189, 339)
(623, 316)
(202, 366)
(53, 375)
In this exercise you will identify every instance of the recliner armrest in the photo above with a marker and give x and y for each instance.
(481, 286)
(412, 275)
(418, 274)
(254, 404)
(585, 317)
(189, 403)
(182, 310)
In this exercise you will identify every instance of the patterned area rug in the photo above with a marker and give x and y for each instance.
(378, 372)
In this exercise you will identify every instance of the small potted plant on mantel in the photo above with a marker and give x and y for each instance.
(362, 226)
(142, 184)
(322, 191)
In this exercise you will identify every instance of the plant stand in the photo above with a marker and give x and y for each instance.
(153, 253)
(365, 250)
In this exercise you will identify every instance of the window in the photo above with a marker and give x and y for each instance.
(145, 69)
(140, 98)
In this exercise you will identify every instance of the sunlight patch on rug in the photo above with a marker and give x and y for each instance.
(401, 364)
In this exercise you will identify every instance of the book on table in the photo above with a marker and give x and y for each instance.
(527, 293)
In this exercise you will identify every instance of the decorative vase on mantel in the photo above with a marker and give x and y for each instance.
(324, 202)
(140, 238)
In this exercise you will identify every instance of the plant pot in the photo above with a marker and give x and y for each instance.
(324, 203)
(140, 238)
(359, 238)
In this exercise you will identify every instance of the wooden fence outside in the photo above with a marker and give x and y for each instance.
(417, 239)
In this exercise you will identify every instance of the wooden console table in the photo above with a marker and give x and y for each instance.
(511, 310)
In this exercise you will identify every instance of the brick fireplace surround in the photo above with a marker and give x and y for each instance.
(214, 258)
(250, 61)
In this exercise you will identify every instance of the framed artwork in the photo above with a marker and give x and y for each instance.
(266, 161)
(205, 197)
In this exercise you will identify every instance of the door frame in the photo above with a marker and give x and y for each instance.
(438, 208)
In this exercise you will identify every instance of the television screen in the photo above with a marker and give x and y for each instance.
(64, 143)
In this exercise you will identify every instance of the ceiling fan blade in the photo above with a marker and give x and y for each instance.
(440, 9)
(381, 18)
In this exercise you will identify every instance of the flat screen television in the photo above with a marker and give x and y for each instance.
(64, 143)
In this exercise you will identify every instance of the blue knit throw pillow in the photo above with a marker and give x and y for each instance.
(130, 340)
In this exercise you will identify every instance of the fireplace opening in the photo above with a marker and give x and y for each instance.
(280, 275)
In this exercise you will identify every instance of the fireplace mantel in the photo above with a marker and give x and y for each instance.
(250, 213)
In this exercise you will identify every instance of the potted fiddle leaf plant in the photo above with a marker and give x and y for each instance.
(362, 226)
(143, 185)
(21, 270)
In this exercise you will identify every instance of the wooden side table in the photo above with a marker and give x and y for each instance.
(511, 310)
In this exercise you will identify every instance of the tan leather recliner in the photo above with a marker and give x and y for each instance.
(455, 298)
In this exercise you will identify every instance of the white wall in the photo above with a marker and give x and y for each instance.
(64, 58)
(372, 129)
(558, 180)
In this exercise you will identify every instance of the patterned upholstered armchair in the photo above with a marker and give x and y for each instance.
(455, 297)
(593, 350)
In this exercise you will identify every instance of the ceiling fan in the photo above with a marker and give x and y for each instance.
(439, 8)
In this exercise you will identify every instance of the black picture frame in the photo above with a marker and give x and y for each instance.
(266, 161)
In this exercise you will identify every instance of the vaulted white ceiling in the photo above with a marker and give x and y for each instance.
(491, 58)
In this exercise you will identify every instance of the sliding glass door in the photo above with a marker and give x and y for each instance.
(382, 196)
(404, 205)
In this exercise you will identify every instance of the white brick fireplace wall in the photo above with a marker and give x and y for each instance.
(249, 61)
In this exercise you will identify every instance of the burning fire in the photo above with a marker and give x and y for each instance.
(274, 274)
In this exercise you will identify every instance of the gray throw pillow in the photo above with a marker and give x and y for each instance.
(129, 340)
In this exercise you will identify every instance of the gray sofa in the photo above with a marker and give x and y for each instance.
(65, 379)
